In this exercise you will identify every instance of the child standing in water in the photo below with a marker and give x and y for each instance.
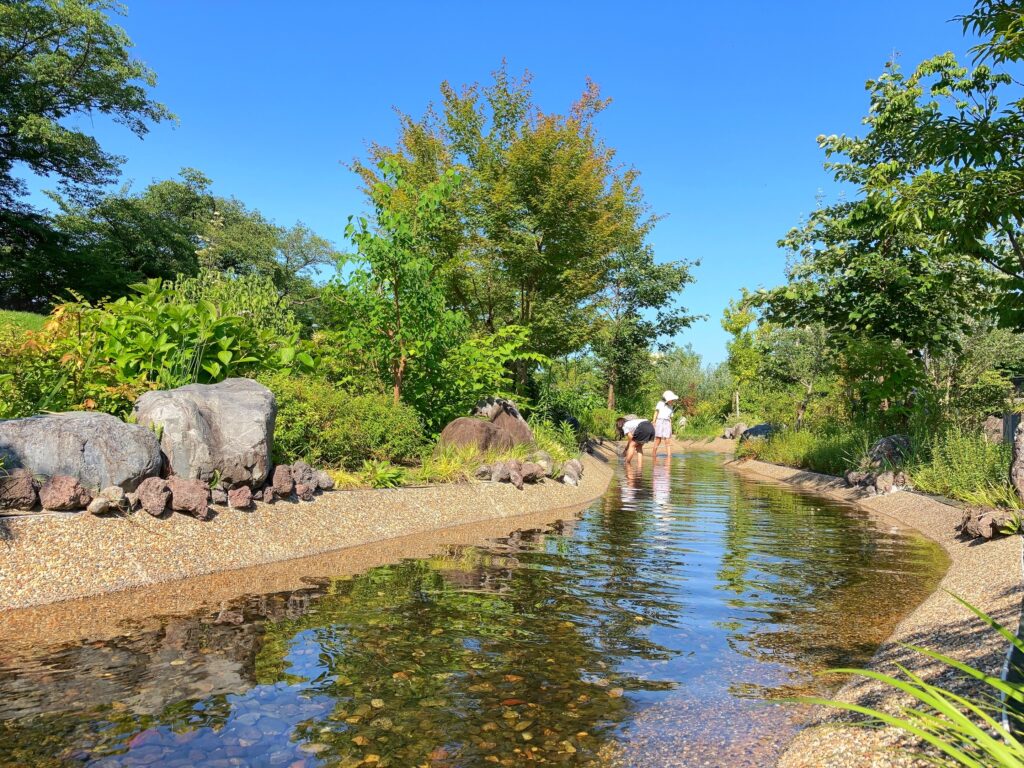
(663, 423)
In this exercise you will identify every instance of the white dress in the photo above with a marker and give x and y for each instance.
(662, 420)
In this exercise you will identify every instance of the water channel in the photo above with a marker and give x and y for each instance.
(655, 629)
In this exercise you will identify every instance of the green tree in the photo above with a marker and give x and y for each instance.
(543, 216)
(59, 59)
(392, 306)
(744, 356)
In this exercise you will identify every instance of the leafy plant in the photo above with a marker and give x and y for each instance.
(968, 731)
(382, 474)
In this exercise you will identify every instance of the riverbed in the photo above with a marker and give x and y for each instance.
(656, 628)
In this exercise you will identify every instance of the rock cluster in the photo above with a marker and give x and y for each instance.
(536, 469)
(733, 432)
(877, 483)
(889, 451)
(982, 523)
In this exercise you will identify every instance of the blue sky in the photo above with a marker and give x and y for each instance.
(717, 104)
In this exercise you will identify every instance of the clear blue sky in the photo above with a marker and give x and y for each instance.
(717, 104)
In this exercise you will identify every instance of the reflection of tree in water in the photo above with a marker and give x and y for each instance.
(449, 660)
(815, 585)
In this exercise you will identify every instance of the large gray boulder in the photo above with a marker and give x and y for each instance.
(97, 449)
(206, 429)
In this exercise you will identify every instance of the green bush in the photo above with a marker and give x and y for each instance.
(324, 425)
(831, 453)
(600, 422)
(963, 465)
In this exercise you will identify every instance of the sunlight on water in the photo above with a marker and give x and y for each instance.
(651, 629)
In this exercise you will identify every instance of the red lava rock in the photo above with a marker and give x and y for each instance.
(190, 496)
(153, 495)
(240, 497)
(516, 478)
(17, 491)
(303, 474)
(500, 472)
(61, 492)
(305, 492)
(283, 483)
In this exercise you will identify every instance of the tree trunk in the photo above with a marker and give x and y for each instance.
(801, 410)
(736, 403)
(399, 375)
(611, 396)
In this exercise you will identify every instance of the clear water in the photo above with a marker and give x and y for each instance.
(649, 632)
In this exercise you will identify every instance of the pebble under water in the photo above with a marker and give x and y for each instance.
(652, 631)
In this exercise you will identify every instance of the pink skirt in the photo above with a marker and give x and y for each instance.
(663, 428)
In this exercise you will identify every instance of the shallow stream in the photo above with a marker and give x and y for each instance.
(654, 630)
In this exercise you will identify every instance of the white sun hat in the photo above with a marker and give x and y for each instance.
(668, 396)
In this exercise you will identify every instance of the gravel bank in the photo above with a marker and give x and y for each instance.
(55, 557)
(986, 575)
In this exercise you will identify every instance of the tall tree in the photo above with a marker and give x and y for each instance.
(537, 228)
(59, 59)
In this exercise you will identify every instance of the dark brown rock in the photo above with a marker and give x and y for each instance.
(477, 433)
(305, 492)
(257, 495)
(533, 473)
(17, 490)
(62, 492)
(189, 496)
(282, 483)
(483, 472)
(153, 495)
(516, 478)
(983, 523)
(240, 497)
(515, 425)
(500, 471)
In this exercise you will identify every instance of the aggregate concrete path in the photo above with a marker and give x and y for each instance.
(53, 557)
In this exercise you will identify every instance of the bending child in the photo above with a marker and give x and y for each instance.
(639, 432)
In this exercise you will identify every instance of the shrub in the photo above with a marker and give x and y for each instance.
(830, 452)
(600, 422)
(323, 425)
(560, 441)
(963, 465)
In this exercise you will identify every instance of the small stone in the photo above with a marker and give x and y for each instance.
(532, 472)
(544, 459)
(219, 496)
(483, 472)
(17, 490)
(500, 472)
(257, 495)
(516, 478)
(305, 492)
(189, 496)
(115, 495)
(570, 478)
(240, 497)
(303, 474)
(154, 495)
(62, 492)
(855, 478)
(982, 523)
(98, 506)
(282, 483)
(884, 482)
(576, 466)
(324, 481)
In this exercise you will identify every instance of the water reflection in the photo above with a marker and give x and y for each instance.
(681, 597)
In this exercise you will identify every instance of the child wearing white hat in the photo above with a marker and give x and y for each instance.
(663, 422)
